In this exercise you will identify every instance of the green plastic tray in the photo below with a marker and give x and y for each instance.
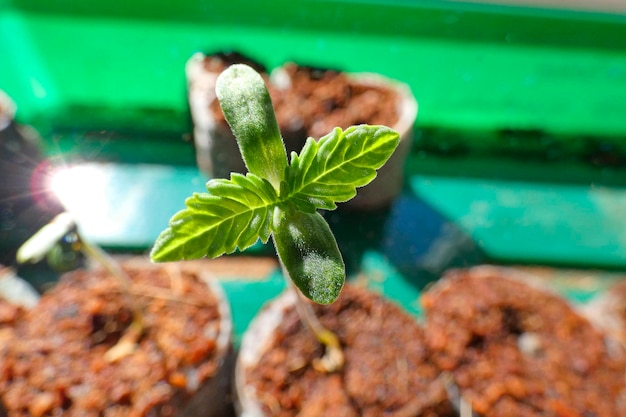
(520, 151)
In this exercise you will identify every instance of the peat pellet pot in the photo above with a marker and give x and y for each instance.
(386, 369)
(309, 102)
(513, 348)
(57, 358)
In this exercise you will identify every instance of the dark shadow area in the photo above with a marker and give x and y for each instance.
(25, 203)
(411, 235)
(531, 155)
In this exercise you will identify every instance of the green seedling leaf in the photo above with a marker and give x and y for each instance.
(234, 214)
(248, 109)
(309, 252)
(277, 199)
(329, 171)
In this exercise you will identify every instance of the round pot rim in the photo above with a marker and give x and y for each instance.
(186, 399)
(7, 110)
(201, 92)
(254, 342)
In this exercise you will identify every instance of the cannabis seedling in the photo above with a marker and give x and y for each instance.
(63, 226)
(277, 198)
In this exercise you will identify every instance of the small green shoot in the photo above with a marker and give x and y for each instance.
(276, 198)
(42, 243)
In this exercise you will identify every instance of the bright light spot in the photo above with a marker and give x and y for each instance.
(80, 188)
(83, 191)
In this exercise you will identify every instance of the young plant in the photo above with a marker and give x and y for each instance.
(278, 198)
(42, 243)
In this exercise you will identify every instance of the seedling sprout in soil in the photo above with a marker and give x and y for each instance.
(63, 226)
(278, 198)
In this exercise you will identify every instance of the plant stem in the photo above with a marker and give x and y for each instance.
(63, 225)
(128, 341)
(333, 359)
(94, 252)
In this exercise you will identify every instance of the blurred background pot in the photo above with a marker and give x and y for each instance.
(309, 102)
(56, 361)
(513, 347)
(608, 311)
(25, 202)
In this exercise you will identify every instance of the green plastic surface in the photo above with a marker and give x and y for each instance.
(533, 222)
(120, 64)
(520, 151)
(247, 297)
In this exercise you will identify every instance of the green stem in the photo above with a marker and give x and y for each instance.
(35, 248)
(94, 252)
(333, 359)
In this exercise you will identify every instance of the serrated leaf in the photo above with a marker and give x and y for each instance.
(329, 171)
(232, 215)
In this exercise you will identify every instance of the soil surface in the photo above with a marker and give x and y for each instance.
(609, 311)
(387, 372)
(516, 350)
(9, 315)
(52, 361)
(310, 102)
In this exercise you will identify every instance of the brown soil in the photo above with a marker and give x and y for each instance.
(516, 350)
(319, 100)
(314, 101)
(9, 314)
(53, 360)
(609, 311)
(387, 372)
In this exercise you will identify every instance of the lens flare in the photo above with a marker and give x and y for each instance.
(84, 191)
(80, 189)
